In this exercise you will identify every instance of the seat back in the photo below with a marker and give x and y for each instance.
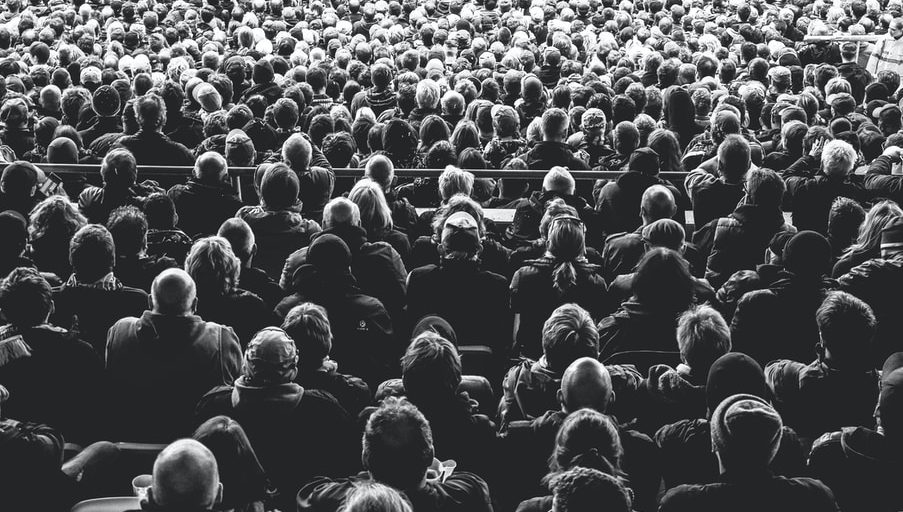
(479, 388)
(138, 458)
(644, 359)
(117, 504)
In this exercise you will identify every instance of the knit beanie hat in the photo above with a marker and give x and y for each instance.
(62, 151)
(239, 148)
(746, 429)
(436, 324)
(644, 160)
(329, 253)
(208, 97)
(665, 233)
(731, 374)
(271, 358)
(593, 119)
(808, 253)
(892, 238)
(105, 101)
(263, 72)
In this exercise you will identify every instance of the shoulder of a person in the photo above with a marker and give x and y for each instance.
(681, 431)
(828, 445)
(463, 483)
(320, 399)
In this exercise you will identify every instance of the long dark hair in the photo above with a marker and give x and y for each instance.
(243, 478)
(680, 114)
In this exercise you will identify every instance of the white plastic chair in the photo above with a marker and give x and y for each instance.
(117, 504)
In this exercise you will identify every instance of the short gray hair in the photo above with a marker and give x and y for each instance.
(838, 158)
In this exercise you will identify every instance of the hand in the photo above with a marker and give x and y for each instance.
(817, 147)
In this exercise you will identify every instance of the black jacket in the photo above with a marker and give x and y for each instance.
(753, 494)
(619, 201)
(878, 282)
(202, 208)
(546, 155)
(154, 148)
(813, 194)
(879, 181)
(97, 203)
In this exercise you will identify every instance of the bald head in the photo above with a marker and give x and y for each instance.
(173, 292)
(240, 237)
(381, 170)
(186, 477)
(658, 203)
(296, 152)
(585, 383)
(211, 167)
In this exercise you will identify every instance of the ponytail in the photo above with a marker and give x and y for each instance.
(564, 276)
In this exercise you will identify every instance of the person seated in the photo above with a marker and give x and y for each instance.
(376, 217)
(374, 497)
(52, 376)
(716, 196)
(662, 289)
(297, 433)
(149, 146)
(18, 187)
(474, 301)
(93, 298)
(315, 177)
(163, 239)
(51, 226)
(536, 249)
(185, 477)
(119, 172)
(845, 219)
(790, 301)
(208, 199)
(376, 266)
(840, 388)
(746, 435)
(552, 151)
(14, 233)
(33, 476)
(617, 201)
(562, 275)
(686, 445)
(557, 183)
(156, 405)
(584, 490)
(724, 122)
(672, 394)
(738, 241)
(134, 267)
(253, 279)
(812, 194)
(215, 270)
(278, 226)
(857, 462)
(363, 329)
(669, 234)
(397, 452)
(587, 440)
(308, 326)
(381, 170)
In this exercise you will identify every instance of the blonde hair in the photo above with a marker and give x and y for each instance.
(376, 217)
(454, 181)
(213, 266)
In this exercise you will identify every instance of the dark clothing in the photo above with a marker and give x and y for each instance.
(297, 433)
(779, 322)
(170, 243)
(352, 393)
(202, 208)
(90, 310)
(534, 297)
(241, 310)
(404, 215)
(687, 457)
(186, 130)
(529, 211)
(270, 91)
(140, 271)
(317, 185)
(712, 197)
(521, 256)
(861, 467)
(820, 53)
(154, 148)
(879, 181)
(758, 493)
(159, 366)
(473, 301)
(858, 77)
(813, 195)
(740, 240)
(547, 154)
(101, 126)
(878, 282)
(623, 251)
(55, 378)
(619, 201)
(636, 327)
(363, 339)
(494, 257)
(815, 398)
(23, 205)
(97, 203)
(278, 234)
(461, 492)
(260, 284)
(20, 141)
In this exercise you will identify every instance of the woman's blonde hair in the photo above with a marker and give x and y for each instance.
(376, 217)
(213, 266)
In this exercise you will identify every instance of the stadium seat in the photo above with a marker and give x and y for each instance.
(118, 504)
(644, 359)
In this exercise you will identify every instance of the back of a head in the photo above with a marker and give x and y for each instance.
(554, 124)
(657, 203)
(838, 158)
(589, 490)
(341, 212)
(150, 112)
(185, 476)
(765, 188)
(431, 369)
(559, 180)
(308, 326)
(702, 336)
(211, 168)
(92, 253)
(374, 497)
(119, 169)
(381, 170)
(454, 181)
(731, 374)
(746, 433)
(567, 335)
(586, 383)
(297, 152)
(213, 266)
(279, 188)
(239, 235)
(587, 438)
(398, 444)
(173, 292)
(734, 158)
(26, 299)
(14, 233)
(847, 327)
(128, 225)
(663, 281)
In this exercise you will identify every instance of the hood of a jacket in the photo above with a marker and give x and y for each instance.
(353, 236)
(865, 446)
(758, 218)
(280, 397)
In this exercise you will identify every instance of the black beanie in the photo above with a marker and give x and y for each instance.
(263, 72)
(731, 374)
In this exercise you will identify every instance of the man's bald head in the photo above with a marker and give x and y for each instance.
(341, 212)
(297, 152)
(240, 237)
(586, 383)
(381, 170)
(173, 292)
(186, 477)
(657, 203)
(211, 167)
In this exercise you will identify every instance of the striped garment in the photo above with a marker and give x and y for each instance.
(887, 54)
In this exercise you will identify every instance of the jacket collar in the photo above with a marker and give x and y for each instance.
(285, 397)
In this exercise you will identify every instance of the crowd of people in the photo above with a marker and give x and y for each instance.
(301, 341)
